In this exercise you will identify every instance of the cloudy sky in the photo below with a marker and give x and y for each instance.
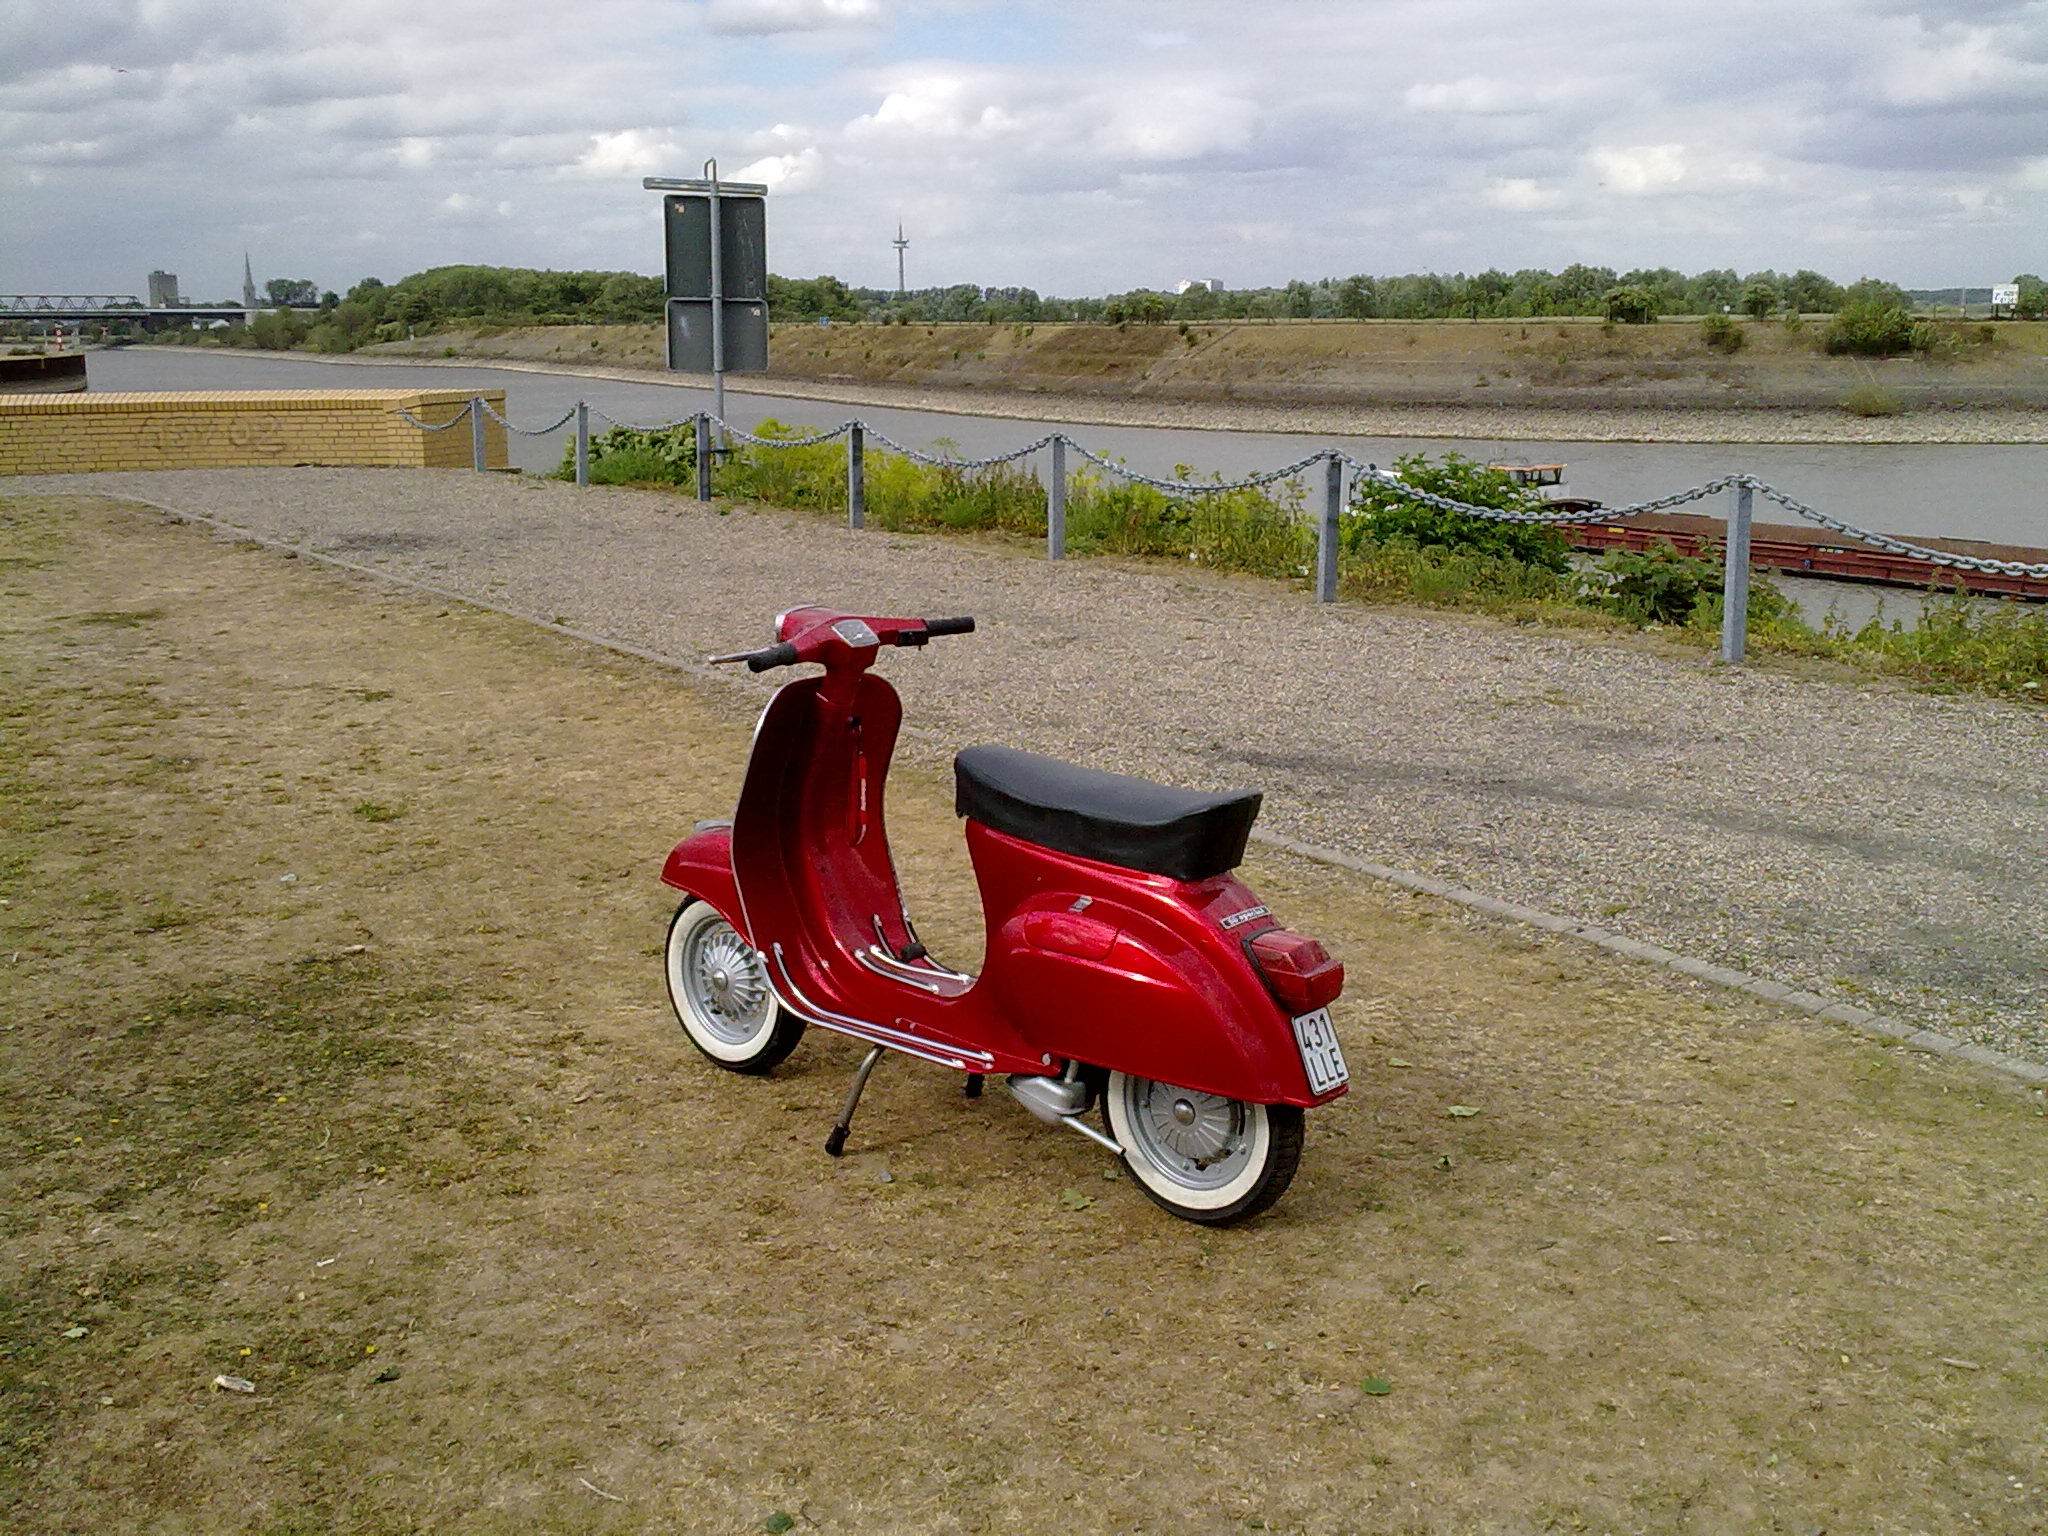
(1072, 146)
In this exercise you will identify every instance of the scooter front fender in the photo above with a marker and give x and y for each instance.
(701, 866)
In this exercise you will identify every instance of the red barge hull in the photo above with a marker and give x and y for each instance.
(1805, 550)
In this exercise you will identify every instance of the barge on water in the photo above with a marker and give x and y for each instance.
(1792, 549)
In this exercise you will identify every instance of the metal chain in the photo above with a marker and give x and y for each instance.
(1193, 488)
(1394, 482)
(492, 412)
(1889, 544)
(659, 426)
(1360, 470)
(785, 442)
(939, 461)
(453, 421)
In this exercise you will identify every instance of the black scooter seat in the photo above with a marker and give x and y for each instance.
(1109, 817)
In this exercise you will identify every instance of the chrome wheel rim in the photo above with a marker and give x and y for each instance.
(1200, 1141)
(723, 979)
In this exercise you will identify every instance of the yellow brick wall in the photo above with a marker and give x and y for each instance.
(68, 434)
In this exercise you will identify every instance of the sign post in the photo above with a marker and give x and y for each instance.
(715, 245)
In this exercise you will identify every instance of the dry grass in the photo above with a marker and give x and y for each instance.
(411, 1130)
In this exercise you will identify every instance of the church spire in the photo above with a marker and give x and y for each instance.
(248, 283)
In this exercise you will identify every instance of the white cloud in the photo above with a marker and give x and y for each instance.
(1074, 148)
(770, 16)
(632, 152)
(798, 172)
(1638, 169)
(1522, 194)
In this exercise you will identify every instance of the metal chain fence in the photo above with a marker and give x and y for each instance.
(858, 434)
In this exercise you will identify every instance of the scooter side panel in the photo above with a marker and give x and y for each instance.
(1172, 997)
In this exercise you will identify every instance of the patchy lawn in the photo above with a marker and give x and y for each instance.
(333, 1060)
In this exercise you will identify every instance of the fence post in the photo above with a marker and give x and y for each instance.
(1326, 534)
(703, 457)
(856, 476)
(583, 442)
(1056, 502)
(1735, 582)
(476, 432)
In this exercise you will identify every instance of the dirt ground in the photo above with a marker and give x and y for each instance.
(336, 1062)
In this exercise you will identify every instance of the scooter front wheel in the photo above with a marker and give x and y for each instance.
(1201, 1156)
(718, 985)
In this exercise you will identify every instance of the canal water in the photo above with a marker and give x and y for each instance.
(1999, 493)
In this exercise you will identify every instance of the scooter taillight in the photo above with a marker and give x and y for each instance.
(1298, 969)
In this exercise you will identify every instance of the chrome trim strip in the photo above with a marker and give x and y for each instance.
(882, 963)
(874, 1034)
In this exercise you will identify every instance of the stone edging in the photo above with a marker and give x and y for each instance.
(1881, 1025)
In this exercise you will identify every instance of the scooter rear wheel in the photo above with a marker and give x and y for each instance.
(718, 986)
(1203, 1157)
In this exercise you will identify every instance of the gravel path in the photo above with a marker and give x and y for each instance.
(1885, 848)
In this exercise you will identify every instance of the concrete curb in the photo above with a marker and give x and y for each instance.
(1880, 1025)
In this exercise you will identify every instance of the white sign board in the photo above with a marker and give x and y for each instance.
(2006, 295)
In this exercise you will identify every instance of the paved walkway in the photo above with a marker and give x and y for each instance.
(1870, 844)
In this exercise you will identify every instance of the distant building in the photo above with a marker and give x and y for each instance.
(1213, 284)
(163, 290)
(249, 300)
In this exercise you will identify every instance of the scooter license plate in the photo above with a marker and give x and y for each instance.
(1317, 1039)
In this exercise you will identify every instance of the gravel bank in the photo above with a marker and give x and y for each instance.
(1877, 846)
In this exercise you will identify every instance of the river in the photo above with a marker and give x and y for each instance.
(1975, 492)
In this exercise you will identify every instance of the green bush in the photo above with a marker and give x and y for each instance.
(1658, 585)
(1872, 400)
(1722, 333)
(664, 456)
(1873, 327)
(1381, 514)
(1962, 642)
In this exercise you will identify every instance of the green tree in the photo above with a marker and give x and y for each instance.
(1299, 301)
(283, 291)
(1759, 300)
(1582, 289)
(2033, 304)
(1631, 305)
(1357, 297)
(1713, 291)
(1807, 292)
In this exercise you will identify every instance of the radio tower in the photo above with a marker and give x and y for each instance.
(901, 245)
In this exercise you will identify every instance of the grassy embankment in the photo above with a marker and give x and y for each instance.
(1386, 557)
(1498, 363)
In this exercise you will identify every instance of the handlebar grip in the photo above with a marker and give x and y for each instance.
(783, 655)
(960, 626)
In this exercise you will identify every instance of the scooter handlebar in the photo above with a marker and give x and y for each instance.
(960, 626)
(782, 655)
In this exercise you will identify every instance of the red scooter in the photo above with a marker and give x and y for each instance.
(1125, 965)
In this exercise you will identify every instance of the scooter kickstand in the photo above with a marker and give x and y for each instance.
(835, 1144)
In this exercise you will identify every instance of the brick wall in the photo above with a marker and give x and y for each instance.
(63, 434)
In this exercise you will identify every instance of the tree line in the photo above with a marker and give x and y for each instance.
(374, 311)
